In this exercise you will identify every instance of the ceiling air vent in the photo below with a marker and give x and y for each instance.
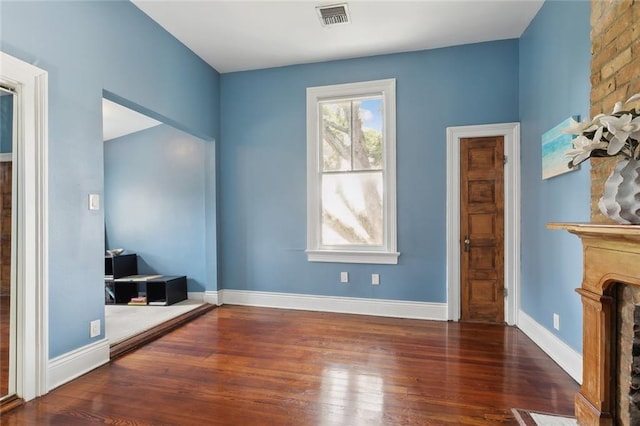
(334, 14)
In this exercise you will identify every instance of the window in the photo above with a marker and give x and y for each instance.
(351, 173)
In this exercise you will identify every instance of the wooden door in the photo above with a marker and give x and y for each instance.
(482, 229)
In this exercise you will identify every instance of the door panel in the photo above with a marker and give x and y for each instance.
(482, 229)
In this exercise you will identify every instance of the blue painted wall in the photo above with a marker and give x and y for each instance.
(263, 166)
(554, 84)
(154, 196)
(88, 47)
(91, 48)
(6, 123)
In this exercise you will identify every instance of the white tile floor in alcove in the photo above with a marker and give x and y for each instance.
(124, 321)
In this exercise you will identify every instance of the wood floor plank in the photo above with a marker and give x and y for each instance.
(147, 336)
(256, 366)
(5, 323)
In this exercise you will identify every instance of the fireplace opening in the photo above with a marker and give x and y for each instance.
(627, 340)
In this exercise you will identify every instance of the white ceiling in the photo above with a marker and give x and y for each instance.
(118, 120)
(238, 35)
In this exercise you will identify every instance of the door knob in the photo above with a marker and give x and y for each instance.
(467, 242)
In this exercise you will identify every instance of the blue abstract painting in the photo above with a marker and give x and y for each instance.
(555, 145)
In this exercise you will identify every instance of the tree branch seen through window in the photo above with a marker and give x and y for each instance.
(352, 178)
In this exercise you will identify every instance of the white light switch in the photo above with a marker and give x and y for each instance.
(94, 328)
(94, 201)
(344, 277)
(375, 279)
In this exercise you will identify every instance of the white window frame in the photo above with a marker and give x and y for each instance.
(316, 252)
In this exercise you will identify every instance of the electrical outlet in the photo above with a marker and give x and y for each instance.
(94, 328)
(375, 279)
(556, 321)
(344, 277)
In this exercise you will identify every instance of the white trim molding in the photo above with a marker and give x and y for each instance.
(338, 256)
(6, 157)
(197, 296)
(345, 305)
(71, 365)
(30, 83)
(567, 358)
(511, 134)
(212, 297)
(204, 296)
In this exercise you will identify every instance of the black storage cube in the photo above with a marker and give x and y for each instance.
(121, 266)
(125, 291)
(168, 289)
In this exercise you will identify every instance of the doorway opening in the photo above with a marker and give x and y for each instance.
(29, 345)
(154, 190)
(511, 134)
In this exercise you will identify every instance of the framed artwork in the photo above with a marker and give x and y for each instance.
(555, 145)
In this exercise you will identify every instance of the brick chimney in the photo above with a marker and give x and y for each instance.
(615, 73)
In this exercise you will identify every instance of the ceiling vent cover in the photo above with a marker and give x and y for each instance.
(334, 14)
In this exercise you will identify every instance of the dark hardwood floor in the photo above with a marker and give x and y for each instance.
(256, 366)
(5, 311)
(132, 343)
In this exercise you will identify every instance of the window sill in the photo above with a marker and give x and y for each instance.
(337, 256)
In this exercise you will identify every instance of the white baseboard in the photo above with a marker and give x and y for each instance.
(67, 367)
(212, 297)
(346, 305)
(567, 358)
(204, 296)
(198, 296)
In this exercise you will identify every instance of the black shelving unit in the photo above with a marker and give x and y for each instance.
(116, 267)
(167, 289)
(159, 289)
(120, 266)
(122, 283)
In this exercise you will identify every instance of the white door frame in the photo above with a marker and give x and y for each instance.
(511, 134)
(31, 157)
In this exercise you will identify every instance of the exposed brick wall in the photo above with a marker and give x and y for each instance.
(615, 73)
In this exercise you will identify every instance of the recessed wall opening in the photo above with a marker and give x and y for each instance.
(153, 201)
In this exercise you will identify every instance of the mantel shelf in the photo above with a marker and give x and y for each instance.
(594, 227)
(606, 232)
